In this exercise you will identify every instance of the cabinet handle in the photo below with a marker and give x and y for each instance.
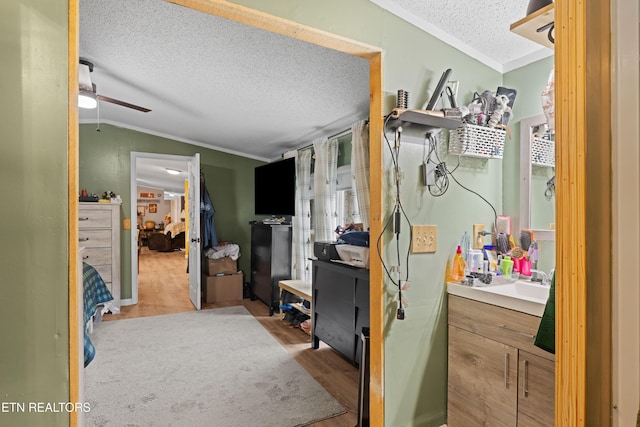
(83, 239)
(506, 370)
(84, 218)
(525, 389)
(85, 257)
(515, 331)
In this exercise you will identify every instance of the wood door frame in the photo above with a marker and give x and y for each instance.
(76, 363)
(583, 203)
(298, 31)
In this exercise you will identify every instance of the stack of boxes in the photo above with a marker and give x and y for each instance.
(221, 280)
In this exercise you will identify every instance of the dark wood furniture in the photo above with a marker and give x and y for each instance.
(340, 307)
(159, 241)
(270, 261)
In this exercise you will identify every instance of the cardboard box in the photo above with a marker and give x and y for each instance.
(223, 265)
(221, 288)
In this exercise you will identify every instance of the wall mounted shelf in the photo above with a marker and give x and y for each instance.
(426, 118)
(535, 26)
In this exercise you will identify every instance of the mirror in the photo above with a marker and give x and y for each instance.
(537, 187)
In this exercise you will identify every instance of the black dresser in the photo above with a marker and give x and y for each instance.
(340, 307)
(270, 261)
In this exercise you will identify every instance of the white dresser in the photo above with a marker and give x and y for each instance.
(99, 235)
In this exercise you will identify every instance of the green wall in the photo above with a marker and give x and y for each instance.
(105, 160)
(34, 254)
(34, 265)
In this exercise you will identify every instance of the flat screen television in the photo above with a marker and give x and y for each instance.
(275, 188)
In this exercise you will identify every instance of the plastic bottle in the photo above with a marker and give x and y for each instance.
(457, 269)
(507, 267)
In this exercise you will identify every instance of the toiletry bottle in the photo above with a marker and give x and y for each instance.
(507, 267)
(457, 269)
(525, 267)
(478, 259)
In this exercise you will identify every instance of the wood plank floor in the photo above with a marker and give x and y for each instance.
(163, 288)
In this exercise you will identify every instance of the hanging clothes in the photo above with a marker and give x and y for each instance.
(207, 212)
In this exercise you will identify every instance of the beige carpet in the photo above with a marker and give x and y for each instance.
(215, 367)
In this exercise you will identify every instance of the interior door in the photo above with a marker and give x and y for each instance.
(193, 213)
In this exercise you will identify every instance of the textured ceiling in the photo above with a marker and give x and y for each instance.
(479, 29)
(214, 82)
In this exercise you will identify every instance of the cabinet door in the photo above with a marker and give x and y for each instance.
(261, 263)
(536, 390)
(483, 384)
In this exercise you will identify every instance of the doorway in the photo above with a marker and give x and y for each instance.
(374, 57)
(162, 189)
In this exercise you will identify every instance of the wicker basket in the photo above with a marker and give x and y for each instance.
(477, 141)
(543, 152)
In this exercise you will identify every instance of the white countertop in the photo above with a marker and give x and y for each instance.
(525, 297)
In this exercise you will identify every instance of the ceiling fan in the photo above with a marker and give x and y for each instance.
(88, 98)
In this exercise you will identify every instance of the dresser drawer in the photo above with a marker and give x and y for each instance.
(97, 257)
(94, 218)
(500, 324)
(94, 238)
(105, 272)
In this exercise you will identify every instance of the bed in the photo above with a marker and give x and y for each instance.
(96, 298)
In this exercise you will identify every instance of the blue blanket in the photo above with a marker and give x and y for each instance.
(95, 293)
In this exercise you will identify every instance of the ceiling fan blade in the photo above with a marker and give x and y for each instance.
(122, 103)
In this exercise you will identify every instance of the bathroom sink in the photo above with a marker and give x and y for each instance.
(523, 289)
(522, 295)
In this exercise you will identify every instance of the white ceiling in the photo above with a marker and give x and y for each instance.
(215, 82)
(223, 85)
(152, 172)
(478, 28)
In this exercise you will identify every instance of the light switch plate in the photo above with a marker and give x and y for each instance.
(478, 239)
(424, 238)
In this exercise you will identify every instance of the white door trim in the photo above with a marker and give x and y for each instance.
(133, 214)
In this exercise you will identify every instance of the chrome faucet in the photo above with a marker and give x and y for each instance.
(540, 276)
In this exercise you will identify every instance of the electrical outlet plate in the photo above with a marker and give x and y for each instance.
(478, 239)
(424, 238)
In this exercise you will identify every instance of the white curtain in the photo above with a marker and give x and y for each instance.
(325, 175)
(360, 168)
(302, 244)
(350, 205)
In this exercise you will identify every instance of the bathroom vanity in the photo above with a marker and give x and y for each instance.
(496, 375)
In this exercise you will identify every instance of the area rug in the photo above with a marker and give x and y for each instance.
(216, 367)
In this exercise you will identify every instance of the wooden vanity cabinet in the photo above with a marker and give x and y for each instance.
(482, 386)
(497, 376)
(536, 390)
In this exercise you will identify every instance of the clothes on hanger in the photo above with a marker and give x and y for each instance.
(210, 238)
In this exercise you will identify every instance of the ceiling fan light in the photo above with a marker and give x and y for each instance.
(87, 99)
(173, 171)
